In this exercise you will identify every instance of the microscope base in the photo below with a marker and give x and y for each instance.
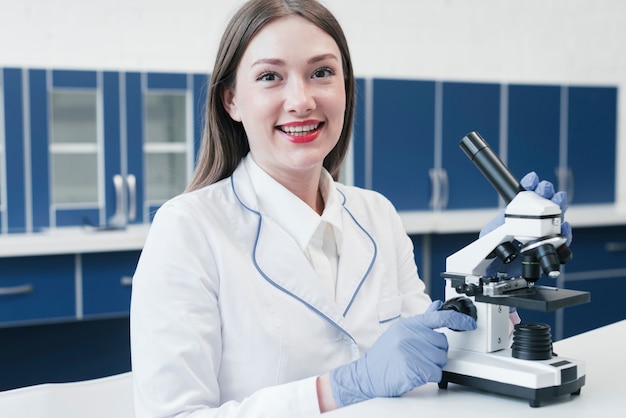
(534, 380)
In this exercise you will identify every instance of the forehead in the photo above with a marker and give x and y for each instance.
(290, 37)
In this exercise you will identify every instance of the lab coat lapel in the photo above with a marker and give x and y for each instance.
(278, 258)
(356, 260)
(281, 262)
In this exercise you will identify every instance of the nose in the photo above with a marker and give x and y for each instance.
(299, 98)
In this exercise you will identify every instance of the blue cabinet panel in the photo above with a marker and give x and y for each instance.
(592, 125)
(606, 306)
(39, 154)
(52, 291)
(106, 290)
(591, 249)
(112, 139)
(534, 115)
(74, 79)
(403, 141)
(167, 81)
(14, 149)
(469, 107)
(358, 134)
(134, 135)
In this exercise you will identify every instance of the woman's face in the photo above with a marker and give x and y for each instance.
(290, 97)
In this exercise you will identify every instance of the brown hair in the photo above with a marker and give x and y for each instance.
(224, 141)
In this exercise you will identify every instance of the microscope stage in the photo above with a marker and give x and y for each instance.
(539, 298)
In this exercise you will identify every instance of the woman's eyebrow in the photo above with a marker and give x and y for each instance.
(271, 61)
(280, 62)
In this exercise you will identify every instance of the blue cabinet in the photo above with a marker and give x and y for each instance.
(65, 287)
(107, 283)
(591, 129)
(37, 289)
(598, 266)
(534, 131)
(85, 147)
(407, 134)
(403, 127)
(468, 107)
(552, 129)
(13, 217)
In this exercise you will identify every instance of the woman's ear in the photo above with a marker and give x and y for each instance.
(230, 104)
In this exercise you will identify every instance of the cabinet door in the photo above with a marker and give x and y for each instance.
(107, 282)
(37, 289)
(403, 141)
(468, 107)
(360, 148)
(12, 203)
(534, 131)
(69, 144)
(162, 136)
(591, 129)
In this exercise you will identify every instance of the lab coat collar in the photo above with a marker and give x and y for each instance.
(281, 262)
(291, 213)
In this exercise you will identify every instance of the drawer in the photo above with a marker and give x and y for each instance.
(601, 248)
(37, 289)
(107, 279)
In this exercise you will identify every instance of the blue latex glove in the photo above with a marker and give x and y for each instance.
(544, 189)
(409, 354)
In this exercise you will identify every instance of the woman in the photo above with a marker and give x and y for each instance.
(260, 290)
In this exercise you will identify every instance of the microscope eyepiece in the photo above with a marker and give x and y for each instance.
(479, 152)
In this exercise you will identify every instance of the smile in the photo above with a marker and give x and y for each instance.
(300, 130)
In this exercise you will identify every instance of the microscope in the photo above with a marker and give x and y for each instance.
(485, 358)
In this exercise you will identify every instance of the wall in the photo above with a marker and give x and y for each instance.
(537, 41)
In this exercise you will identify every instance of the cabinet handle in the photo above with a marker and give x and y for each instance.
(615, 247)
(126, 281)
(435, 197)
(118, 220)
(131, 182)
(17, 290)
(118, 182)
(445, 188)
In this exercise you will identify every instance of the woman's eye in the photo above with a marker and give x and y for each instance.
(268, 76)
(323, 72)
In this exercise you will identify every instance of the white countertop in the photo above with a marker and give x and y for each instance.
(74, 240)
(602, 395)
(460, 221)
(78, 240)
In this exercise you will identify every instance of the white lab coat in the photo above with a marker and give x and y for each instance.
(228, 318)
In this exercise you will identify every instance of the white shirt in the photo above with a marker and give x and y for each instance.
(319, 237)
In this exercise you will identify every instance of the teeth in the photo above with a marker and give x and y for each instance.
(302, 129)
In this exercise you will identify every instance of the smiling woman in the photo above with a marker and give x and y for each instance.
(261, 288)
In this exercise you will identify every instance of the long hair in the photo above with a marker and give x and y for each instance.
(224, 141)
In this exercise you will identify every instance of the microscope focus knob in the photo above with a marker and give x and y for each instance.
(461, 304)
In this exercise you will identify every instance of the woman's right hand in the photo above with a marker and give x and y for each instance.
(409, 354)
